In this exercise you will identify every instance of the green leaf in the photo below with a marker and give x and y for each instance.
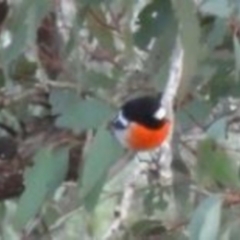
(190, 36)
(215, 165)
(217, 130)
(194, 113)
(41, 180)
(98, 80)
(234, 231)
(157, 64)
(24, 24)
(103, 153)
(91, 199)
(205, 221)
(237, 54)
(219, 8)
(152, 20)
(19, 31)
(39, 10)
(217, 34)
(223, 83)
(78, 114)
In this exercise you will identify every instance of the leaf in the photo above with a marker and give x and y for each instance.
(205, 221)
(98, 80)
(232, 231)
(19, 31)
(17, 45)
(222, 83)
(92, 197)
(219, 8)
(78, 114)
(153, 21)
(190, 36)
(23, 27)
(214, 164)
(217, 130)
(236, 45)
(194, 113)
(157, 64)
(217, 33)
(235, 231)
(39, 11)
(103, 153)
(41, 180)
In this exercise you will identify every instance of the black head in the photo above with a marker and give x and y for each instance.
(142, 110)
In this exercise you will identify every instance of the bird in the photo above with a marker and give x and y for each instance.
(141, 123)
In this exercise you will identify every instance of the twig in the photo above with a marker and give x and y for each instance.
(101, 22)
(174, 79)
(59, 84)
(123, 209)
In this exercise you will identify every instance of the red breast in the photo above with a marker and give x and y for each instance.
(140, 138)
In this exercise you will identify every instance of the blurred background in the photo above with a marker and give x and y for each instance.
(65, 68)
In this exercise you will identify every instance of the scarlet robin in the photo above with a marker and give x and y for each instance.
(141, 124)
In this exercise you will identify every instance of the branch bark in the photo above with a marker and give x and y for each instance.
(167, 102)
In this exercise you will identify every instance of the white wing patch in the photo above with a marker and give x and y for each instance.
(160, 113)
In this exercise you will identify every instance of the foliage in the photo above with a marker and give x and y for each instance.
(65, 67)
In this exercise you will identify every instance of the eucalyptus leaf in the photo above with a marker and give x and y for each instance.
(152, 20)
(217, 33)
(218, 129)
(194, 113)
(41, 180)
(214, 165)
(103, 153)
(24, 24)
(98, 80)
(76, 113)
(205, 222)
(190, 35)
(234, 231)
(219, 8)
(223, 83)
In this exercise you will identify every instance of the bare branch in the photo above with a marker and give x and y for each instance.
(174, 79)
(122, 212)
(167, 102)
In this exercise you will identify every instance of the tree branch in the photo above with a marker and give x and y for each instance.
(167, 102)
